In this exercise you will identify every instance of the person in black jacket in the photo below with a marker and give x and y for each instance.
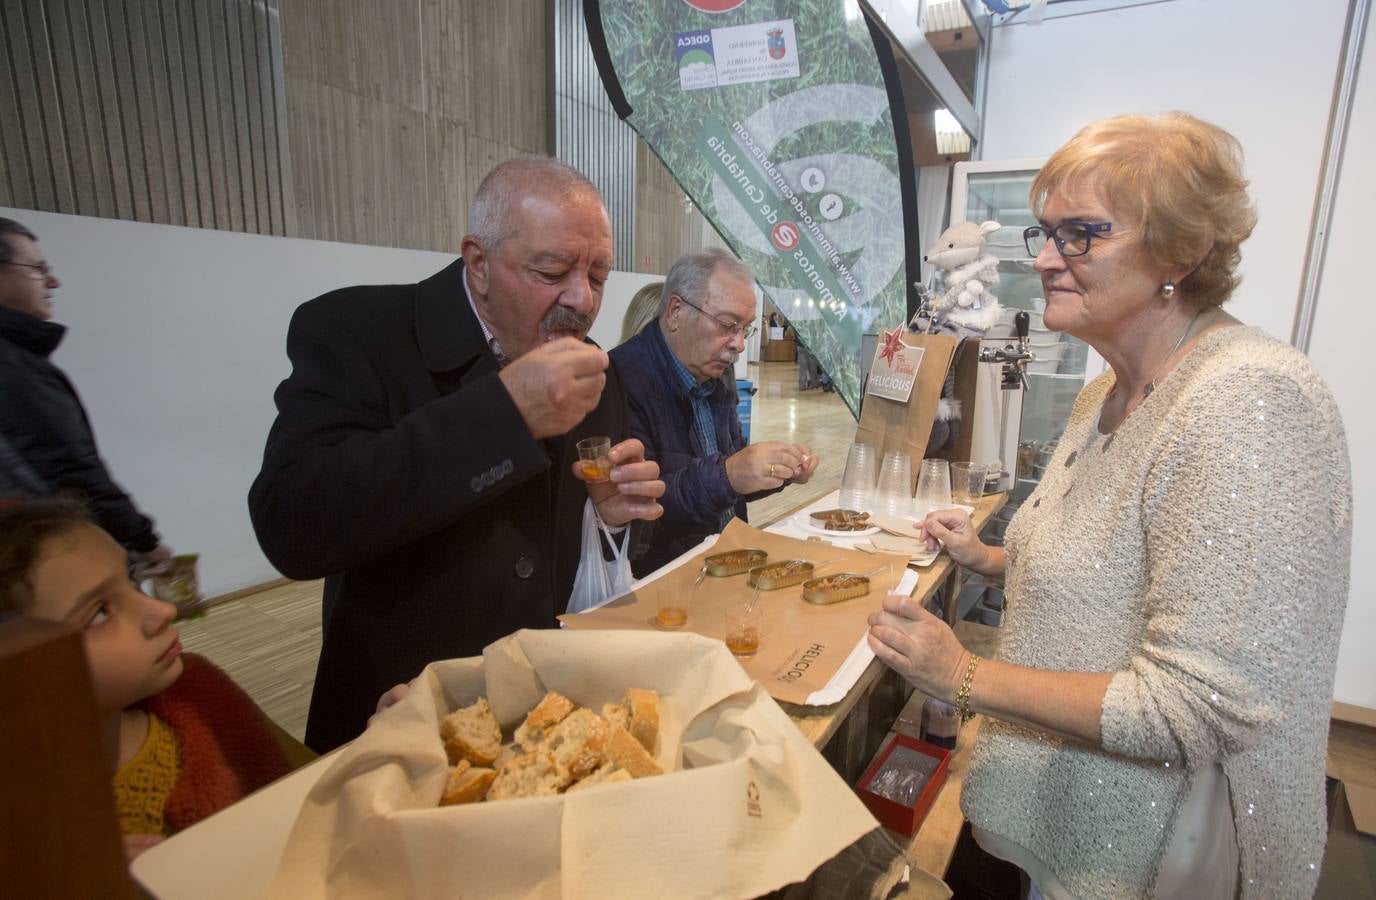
(684, 413)
(41, 415)
(423, 455)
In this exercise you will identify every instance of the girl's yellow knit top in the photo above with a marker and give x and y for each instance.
(144, 784)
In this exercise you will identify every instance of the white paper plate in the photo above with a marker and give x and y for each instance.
(804, 521)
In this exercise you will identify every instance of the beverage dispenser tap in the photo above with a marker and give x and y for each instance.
(1014, 358)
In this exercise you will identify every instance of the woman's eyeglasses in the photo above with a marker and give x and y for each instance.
(1073, 236)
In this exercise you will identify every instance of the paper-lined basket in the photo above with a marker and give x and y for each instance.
(746, 806)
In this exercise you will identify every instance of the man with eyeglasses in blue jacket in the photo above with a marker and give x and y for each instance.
(684, 413)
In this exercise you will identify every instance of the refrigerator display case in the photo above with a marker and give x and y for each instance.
(1036, 416)
(1019, 428)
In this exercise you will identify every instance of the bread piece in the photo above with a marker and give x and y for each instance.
(509, 752)
(577, 742)
(608, 774)
(626, 752)
(617, 714)
(529, 775)
(643, 706)
(552, 709)
(467, 784)
(472, 733)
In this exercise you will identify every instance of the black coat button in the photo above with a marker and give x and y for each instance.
(525, 567)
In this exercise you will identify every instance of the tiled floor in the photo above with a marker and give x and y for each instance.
(269, 641)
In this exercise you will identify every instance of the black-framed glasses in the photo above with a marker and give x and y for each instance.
(728, 329)
(1072, 237)
(44, 270)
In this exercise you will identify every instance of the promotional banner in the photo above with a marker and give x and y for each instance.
(777, 118)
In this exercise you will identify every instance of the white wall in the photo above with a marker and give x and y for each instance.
(177, 340)
(1344, 325)
(1265, 72)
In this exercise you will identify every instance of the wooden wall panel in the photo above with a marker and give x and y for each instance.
(156, 110)
(393, 119)
(666, 224)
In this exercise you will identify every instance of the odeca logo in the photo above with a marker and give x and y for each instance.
(714, 6)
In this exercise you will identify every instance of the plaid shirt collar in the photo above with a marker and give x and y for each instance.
(488, 336)
(703, 423)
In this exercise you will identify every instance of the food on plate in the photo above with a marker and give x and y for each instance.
(842, 520)
(835, 588)
(467, 784)
(559, 747)
(780, 574)
(734, 562)
(472, 733)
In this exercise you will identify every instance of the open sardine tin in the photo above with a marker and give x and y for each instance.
(734, 562)
(835, 588)
(782, 574)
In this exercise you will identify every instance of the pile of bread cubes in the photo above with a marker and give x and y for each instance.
(559, 748)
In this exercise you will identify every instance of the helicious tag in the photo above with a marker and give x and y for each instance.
(895, 368)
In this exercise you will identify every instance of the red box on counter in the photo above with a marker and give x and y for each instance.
(903, 781)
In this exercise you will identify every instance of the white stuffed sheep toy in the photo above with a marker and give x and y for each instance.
(962, 299)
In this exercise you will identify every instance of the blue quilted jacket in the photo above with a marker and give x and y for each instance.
(697, 491)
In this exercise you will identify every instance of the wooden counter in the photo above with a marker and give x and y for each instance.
(849, 733)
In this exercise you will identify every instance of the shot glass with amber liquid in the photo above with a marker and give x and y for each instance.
(671, 610)
(594, 458)
(743, 628)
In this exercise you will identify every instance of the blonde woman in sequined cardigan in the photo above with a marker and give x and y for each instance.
(1156, 715)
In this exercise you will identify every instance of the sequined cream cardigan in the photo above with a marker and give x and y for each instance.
(1200, 553)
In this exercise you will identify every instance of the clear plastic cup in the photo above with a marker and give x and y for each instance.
(743, 628)
(933, 487)
(594, 458)
(857, 481)
(895, 481)
(967, 482)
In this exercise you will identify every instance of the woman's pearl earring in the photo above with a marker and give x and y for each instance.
(1168, 290)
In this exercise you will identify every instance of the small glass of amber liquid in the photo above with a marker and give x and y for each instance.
(672, 613)
(594, 458)
(743, 628)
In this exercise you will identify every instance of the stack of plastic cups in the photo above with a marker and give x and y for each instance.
(895, 480)
(857, 482)
(933, 487)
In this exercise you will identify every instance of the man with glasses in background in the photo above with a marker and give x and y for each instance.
(686, 416)
(41, 416)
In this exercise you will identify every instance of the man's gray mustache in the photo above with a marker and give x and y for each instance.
(561, 318)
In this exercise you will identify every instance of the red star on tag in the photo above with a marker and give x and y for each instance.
(893, 342)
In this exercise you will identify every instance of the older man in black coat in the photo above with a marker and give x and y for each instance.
(423, 455)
